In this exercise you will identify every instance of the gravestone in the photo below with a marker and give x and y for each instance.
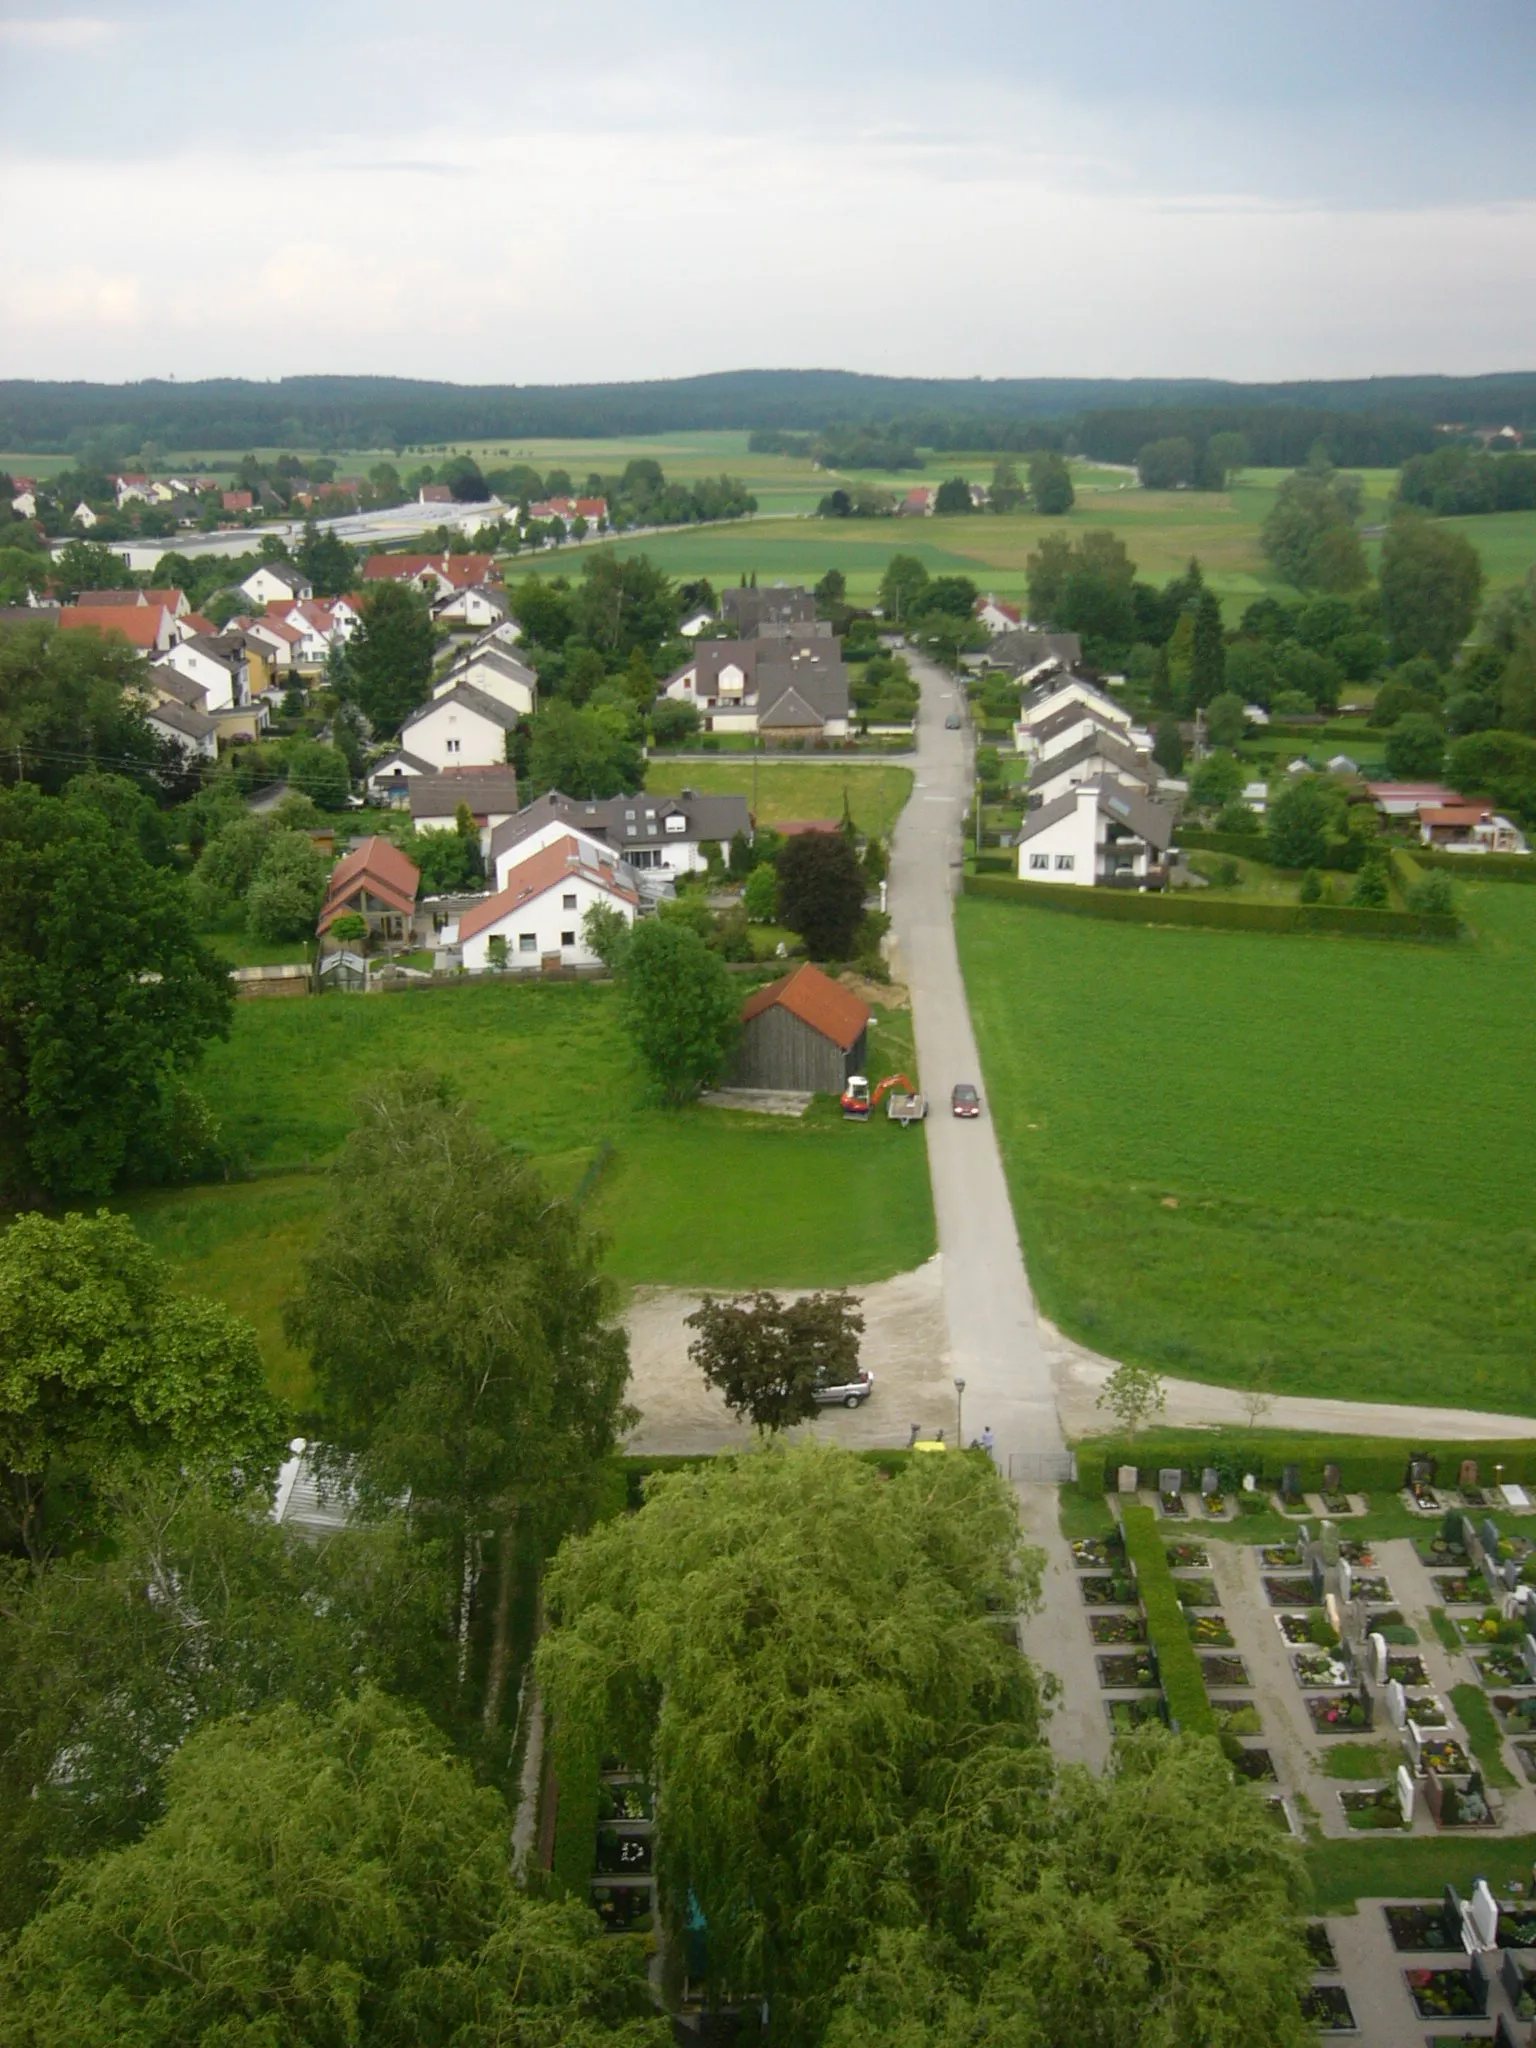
(1528, 1652)
(1331, 1479)
(1397, 1703)
(1128, 1479)
(1468, 1536)
(1209, 1482)
(1335, 1615)
(1317, 1576)
(1491, 1537)
(1467, 1476)
(1346, 1581)
(1290, 1482)
(1485, 1909)
(1451, 1914)
(1405, 1795)
(1412, 1743)
(1379, 1658)
(1422, 1471)
(1170, 1479)
(1303, 1535)
(1250, 1484)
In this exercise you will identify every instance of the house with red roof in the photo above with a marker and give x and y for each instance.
(435, 574)
(146, 627)
(377, 882)
(997, 615)
(804, 1031)
(535, 922)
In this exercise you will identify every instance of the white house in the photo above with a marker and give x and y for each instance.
(219, 664)
(1099, 755)
(464, 728)
(277, 582)
(479, 607)
(193, 731)
(278, 641)
(785, 687)
(490, 793)
(390, 779)
(498, 673)
(694, 624)
(997, 616)
(1099, 834)
(667, 832)
(537, 918)
(597, 853)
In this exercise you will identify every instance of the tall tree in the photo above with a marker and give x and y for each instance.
(680, 1005)
(1297, 824)
(768, 1357)
(389, 658)
(320, 1880)
(1050, 483)
(1431, 582)
(460, 1332)
(102, 1364)
(1308, 533)
(583, 752)
(821, 892)
(107, 1000)
(1208, 652)
(902, 587)
(69, 701)
(288, 888)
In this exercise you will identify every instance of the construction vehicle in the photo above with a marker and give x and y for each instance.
(859, 1099)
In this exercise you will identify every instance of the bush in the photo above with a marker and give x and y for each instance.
(1433, 894)
(1311, 890)
(1178, 1664)
(287, 890)
(1220, 913)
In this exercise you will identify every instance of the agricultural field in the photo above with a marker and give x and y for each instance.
(786, 788)
(696, 1198)
(1305, 1164)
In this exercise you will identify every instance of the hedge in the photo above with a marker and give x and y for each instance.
(1177, 1664)
(1479, 867)
(1133, 907)
(1366, 1464)
(1342, 855)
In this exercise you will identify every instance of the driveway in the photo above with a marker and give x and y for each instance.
(994, 1336)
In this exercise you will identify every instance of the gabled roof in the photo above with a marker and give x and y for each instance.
(438, 795)
(140, 625)
(1064, 719)
(497, 659)
(629, 821)
(1101, 744)
(1124, 806)
(789, 709)
(187, 719)
(98, 600)
(172, 683)
(558, 862)
(472, 700)
(405, 760)
(378, 865)
(816, 1000)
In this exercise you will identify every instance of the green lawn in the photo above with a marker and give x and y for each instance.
(697, 1198)
(1412, 1867)
(1300, 1163)
(786, 788)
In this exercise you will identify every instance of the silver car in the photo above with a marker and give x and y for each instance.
(845, 1393)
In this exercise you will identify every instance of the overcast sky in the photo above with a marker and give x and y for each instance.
(496, 192)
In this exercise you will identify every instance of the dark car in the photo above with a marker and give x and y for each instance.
(845, 1393)
(952, 723)
(965, 1101)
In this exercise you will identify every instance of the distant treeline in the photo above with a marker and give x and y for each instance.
(1005, 413)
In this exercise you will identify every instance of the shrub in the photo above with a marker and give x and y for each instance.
(1433, 894)
(1311, 890)
(1178, 1665)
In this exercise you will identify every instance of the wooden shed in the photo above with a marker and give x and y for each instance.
(802, 1031)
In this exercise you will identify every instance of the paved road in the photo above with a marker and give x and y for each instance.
(993, 1333)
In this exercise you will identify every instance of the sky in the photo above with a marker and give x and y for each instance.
(493, 192)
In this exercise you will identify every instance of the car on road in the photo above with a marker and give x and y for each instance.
(952, 723)
(845, 1393)
(964, 1101)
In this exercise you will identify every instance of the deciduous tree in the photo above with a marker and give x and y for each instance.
(681, 1007)
(1431, 583)
(287, 889)
(1297, 824)
(1133, 1394)
(1050, 483)
(389, 658)
(821, 892)
(768, 1357)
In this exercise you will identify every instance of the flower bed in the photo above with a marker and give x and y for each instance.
(1373, 1809)
(1218, 1671)
(1425, 1711)
(1517, 1927)
(1257, 1765)
(1443, 1757)
(1501, 1666)
(1338, 1713)
(625, 1799)
(623, 1853)
(1106, 1592)
(1420, 1929)
(1327, 2007)
(1446, 1994)
(1407, 1670)
(1460, 1589)
(1358, 1555)
(1196, 1592)
(1214, 1504)
(623, 1908)
(1320, 1946)
(1296, 1628)
(1370, 1586)
(1172, 1504)
(1317, 1668)
(1098, 1553)
(1129, 1673)
(1209, 1631)
(1279, 1557)
(1117, 1628)
(1237, 1717)
(1288, 1592)
(1187, 1557)
(1439, 1551)
(1489, 1627)
(1124, 1715)
(1337, 1504)
(1459, 1806)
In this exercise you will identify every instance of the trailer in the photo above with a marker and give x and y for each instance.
(907, 1109)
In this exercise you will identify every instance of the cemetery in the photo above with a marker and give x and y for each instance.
(1386, 1637)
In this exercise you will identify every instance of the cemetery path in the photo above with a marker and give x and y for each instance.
(1057, 1638)
(994, 1335)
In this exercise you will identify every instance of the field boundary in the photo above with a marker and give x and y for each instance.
(1132, 907)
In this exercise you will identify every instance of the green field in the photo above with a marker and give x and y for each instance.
(787, 788)
(697, 1198)
(1306, 1164)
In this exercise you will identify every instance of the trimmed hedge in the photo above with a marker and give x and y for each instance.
(1132, 907)
(1479, 867)
(1366, 1464)
(1342, 855)
(1177, 1664)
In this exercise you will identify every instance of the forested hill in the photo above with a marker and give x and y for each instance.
(384, 411)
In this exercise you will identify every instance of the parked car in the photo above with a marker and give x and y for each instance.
(952, 723)
(845, 1393)
(965, 1101)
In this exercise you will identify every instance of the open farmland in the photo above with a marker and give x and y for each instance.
(693, 1198)
(1296, 1163)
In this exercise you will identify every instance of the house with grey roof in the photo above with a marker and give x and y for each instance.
(748, 610)
(186, 727)
(1020, 649)
(1095, 756)
(787, 686)
(489, 794)
(463, 728)
(1101, 834)
(648, 832)
(389, 780)
(498, 672)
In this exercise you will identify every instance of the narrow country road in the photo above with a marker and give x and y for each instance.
(993, 1333)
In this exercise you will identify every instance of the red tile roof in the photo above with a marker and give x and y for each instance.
(459, 571)
(541, 872)
(379, 865)
(816, 1000)
(140, 625)
(195, 622)
(1455, 814)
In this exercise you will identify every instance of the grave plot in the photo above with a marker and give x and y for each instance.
(1219, 1672)
(1197, 1592)
(1449, 1994)
(1407, 1670)
(1320, 1946)
(1320, 1669)
(1372, 1807)
(1237, 1717)
(1117, 1628)
(1516, 1712)
(1187, 1557)
(1126, 1715)
(1103, 1591)
(1209, 1631)
(1099, 1553)
(1299, 1628)
(1288, 1592)
(1327, 2007)
(1460, 1589)
(1502, 1665)
(1519, 1981)
(622, 1887)
(1135, 1671)
(1340, 1713)
(1423, 1929)
(1280, 1557)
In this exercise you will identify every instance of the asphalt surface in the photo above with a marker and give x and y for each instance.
(995, 1339)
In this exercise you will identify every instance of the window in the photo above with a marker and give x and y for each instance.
(567, 902)
(1065, 863)
(567, 938)
(453, 746)
(527, 942)
(677, 822)
(1039, 860)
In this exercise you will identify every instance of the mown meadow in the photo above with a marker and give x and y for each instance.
(1306, 1164)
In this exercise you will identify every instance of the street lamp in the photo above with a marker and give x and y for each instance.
(959, 1411)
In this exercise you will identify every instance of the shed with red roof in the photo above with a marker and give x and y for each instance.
(803, 1031)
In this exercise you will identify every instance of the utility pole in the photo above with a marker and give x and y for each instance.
(959, 1414)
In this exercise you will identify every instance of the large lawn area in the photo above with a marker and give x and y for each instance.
(786, 788)
(699, 1198)
(1307, 1164)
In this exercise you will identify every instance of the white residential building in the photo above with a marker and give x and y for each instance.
(277, 583)
(498, 673)
(537, 918)
(218, 664)
(464, 728)
(1099, 834)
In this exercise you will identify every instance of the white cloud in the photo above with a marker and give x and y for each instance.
(69, 32)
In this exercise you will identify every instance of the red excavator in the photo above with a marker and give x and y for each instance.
(859, 1100)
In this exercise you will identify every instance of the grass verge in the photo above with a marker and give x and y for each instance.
(1412, 1867)
(1471, 1703)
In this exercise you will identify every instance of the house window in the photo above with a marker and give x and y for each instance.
(453, 746)
(567, 902)
(1039, 860)
(567, 938)
(527, 942)
(1065, 863)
